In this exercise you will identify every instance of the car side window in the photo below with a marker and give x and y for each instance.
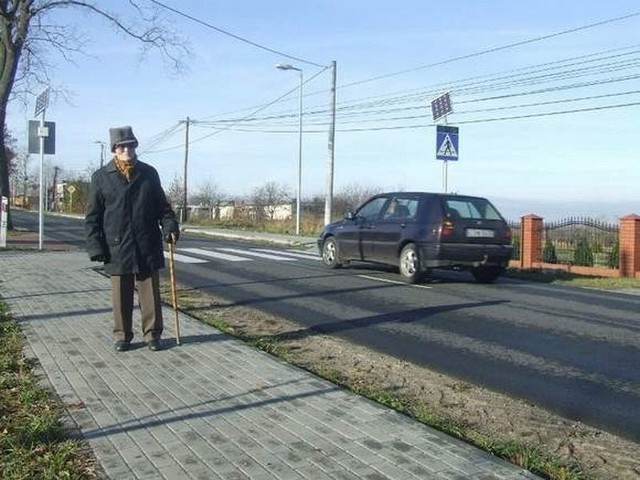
(401, 209)
(476, 208)
(371, 210)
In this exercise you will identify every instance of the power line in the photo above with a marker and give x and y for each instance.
(492, 50)
(482, 120)
(365, 110)
(237, 37)
(220, 130)
(478, 84)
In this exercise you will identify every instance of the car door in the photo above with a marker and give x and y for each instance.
(398, 214)
(356, 239)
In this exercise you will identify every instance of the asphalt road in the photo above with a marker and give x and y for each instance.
(574, 351)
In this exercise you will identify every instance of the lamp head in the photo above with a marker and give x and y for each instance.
(286, 66)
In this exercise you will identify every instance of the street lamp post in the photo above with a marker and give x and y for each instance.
(102, 145)
(286, 66)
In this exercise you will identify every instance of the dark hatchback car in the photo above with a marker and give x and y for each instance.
(419, 231)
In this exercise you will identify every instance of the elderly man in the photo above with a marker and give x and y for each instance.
(127, 209)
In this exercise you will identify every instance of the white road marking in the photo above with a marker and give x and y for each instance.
(184, 259)
(213, 254)
(258, 254)
(307, 256)
(397, 282)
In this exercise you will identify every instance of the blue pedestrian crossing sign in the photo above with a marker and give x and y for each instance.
(446, 142)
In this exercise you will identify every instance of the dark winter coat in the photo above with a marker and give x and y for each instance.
(123, 220)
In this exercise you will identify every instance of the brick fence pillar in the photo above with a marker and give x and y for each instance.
(530, 241)
(629, 245)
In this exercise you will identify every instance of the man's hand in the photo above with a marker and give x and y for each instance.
(99, 258)
(171, 237)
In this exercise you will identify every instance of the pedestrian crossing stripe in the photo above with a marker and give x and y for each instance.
(184, 255)
(258, 254)
(213, 254)
(447, 148)
(297, 254)
(185, 259)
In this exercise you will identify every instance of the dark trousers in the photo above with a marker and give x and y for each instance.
(122, 288)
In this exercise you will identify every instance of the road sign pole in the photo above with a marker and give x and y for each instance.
(440, 108)
(41, 200)
(445, 166)
(42, 102)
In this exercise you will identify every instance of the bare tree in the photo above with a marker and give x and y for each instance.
(22, 177)
(31, 38)
(269, 196)
(351, 196)
(175, 192)
(208, 195)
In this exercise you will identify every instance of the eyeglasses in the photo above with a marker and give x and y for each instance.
(122, 146)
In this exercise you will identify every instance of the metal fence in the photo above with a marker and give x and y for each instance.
(515, 239)
(581, 241)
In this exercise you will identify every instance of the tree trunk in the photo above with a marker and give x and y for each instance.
(4, 170)
(13, 32)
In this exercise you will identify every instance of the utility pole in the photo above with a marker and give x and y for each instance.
(186, 161)
(328, 202)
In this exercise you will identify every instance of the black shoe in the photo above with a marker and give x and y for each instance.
(154, 345)
(121, 345)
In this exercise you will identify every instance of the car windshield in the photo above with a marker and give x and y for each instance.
(471, 208)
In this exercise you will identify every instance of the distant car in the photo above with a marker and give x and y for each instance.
(419, 231)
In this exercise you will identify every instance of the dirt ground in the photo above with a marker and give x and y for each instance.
(598, 454)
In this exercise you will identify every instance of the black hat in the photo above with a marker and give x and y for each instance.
(121, 136)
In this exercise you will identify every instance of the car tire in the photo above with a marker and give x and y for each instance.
(409, 264)
(486, 274)
(330, 253)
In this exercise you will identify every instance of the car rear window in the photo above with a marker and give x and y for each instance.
(471, 208)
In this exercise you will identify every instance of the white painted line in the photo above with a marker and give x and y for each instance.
(184, 259)
(306, 256)
(217, 255)
(396, 282)
(258, 254)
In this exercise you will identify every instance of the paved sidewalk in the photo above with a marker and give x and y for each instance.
(212, 407)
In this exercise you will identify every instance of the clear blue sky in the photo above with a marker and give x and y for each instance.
(585, 157)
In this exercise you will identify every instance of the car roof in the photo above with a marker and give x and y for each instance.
(437, 194)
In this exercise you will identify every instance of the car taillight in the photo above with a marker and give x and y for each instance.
(507, 234)
(447, 228)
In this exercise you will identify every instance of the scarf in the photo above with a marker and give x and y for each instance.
(125, 168)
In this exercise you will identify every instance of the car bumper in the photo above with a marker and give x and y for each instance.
(465, 255)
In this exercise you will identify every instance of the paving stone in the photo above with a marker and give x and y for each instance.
(213, 407)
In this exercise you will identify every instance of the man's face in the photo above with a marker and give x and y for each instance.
(125, 152)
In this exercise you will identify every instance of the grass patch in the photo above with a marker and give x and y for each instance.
(33, 440)
(560, 277)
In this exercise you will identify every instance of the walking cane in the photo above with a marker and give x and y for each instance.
(174, 288)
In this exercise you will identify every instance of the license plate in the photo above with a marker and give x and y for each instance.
(479, 233)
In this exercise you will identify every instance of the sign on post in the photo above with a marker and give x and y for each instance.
(4, 205)
(446, 142)
(49, 134)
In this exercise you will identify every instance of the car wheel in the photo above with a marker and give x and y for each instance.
(330, 253)
(409, 264)
(486, 274)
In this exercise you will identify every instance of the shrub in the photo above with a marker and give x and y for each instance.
(549, 252)
(515, 242)
(583, 254)
(614, 256)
